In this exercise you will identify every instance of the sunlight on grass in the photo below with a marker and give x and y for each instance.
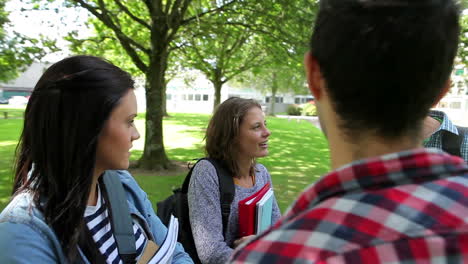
(180, 136)
(8, 143)
(298, 154)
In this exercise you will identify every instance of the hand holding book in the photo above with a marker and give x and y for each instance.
(255, 212)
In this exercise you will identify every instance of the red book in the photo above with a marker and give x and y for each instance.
(247, 209)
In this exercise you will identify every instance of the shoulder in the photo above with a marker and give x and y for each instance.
(125, 177)
(135, 194)
(204, 169)
(204, 165)
(23, 228)
(261, 171)
(24, 243)
(261, 168)
(22, 209)
(129, 183)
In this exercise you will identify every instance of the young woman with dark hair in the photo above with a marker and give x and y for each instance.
(78, 124)
(236, 136)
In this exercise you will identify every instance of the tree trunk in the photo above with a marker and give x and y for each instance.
(164, 101)
(154, 156)
(217, 100)
(274, 90)
(217, 84)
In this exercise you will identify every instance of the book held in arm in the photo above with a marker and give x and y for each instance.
(249, 214)
(264, 212)
(162, 254)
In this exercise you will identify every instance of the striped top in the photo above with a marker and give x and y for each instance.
(97, 220)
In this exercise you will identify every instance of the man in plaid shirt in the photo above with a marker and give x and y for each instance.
(375, 68)
(440, 132)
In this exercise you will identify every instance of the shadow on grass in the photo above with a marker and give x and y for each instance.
(298, 152)
(298, 155)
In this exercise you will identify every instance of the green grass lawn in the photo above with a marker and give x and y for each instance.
(298, 154)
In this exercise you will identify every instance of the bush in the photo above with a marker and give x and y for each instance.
(294, 110)
(309, 109)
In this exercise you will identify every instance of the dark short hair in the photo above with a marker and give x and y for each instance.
(385, 62)
(223, 131)
(66, 112)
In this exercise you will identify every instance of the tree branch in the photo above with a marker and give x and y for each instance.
(124, 39)
(131, 15)
(249, 63)
(197, 16)
(168, 6)
(176, 16)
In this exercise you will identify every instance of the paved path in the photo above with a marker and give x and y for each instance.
(312, 119)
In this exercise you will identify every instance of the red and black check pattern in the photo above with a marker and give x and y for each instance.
(409, 207)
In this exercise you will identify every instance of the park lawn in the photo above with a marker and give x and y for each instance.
(298, 155)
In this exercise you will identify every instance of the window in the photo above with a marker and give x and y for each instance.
(267, 99)
(278, 99)
(197, 97)
(297, 100)
(190, 97)
(184, 97)
(455, 105)
(205, 97)
(168, 96)
(443, 105)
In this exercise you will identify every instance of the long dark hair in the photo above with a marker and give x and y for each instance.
(222, 134)
(64, 116)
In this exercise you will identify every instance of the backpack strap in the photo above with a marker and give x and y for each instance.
(451, 143)
(122, 225)
(226, 188)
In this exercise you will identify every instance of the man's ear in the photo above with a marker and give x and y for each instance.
(444, 91)
(314, 75)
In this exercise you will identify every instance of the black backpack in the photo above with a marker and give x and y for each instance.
(177, 205)
(451, 143)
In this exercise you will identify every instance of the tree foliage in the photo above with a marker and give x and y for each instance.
(285, 44)
(145, 31)
(18, 51)
(221, 48)
(463, 46)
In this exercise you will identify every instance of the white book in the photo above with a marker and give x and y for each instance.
(166, 250)
(264, 212)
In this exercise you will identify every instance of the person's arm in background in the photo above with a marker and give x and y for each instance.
(205, 215)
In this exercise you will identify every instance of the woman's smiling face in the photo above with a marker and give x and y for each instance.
(253, 134)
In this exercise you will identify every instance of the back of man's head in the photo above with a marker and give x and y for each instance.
(385, 62)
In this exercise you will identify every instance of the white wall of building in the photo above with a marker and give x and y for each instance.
(455, 103)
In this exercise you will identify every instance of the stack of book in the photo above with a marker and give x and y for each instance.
(255, 212)
(153, 253)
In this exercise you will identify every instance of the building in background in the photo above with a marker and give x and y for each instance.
(24, 84)
(193, 93)
(455, 103)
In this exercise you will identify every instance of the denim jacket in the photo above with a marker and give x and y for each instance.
(26, 238)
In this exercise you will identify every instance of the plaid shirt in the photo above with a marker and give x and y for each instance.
(409, 207)
(435, 141)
